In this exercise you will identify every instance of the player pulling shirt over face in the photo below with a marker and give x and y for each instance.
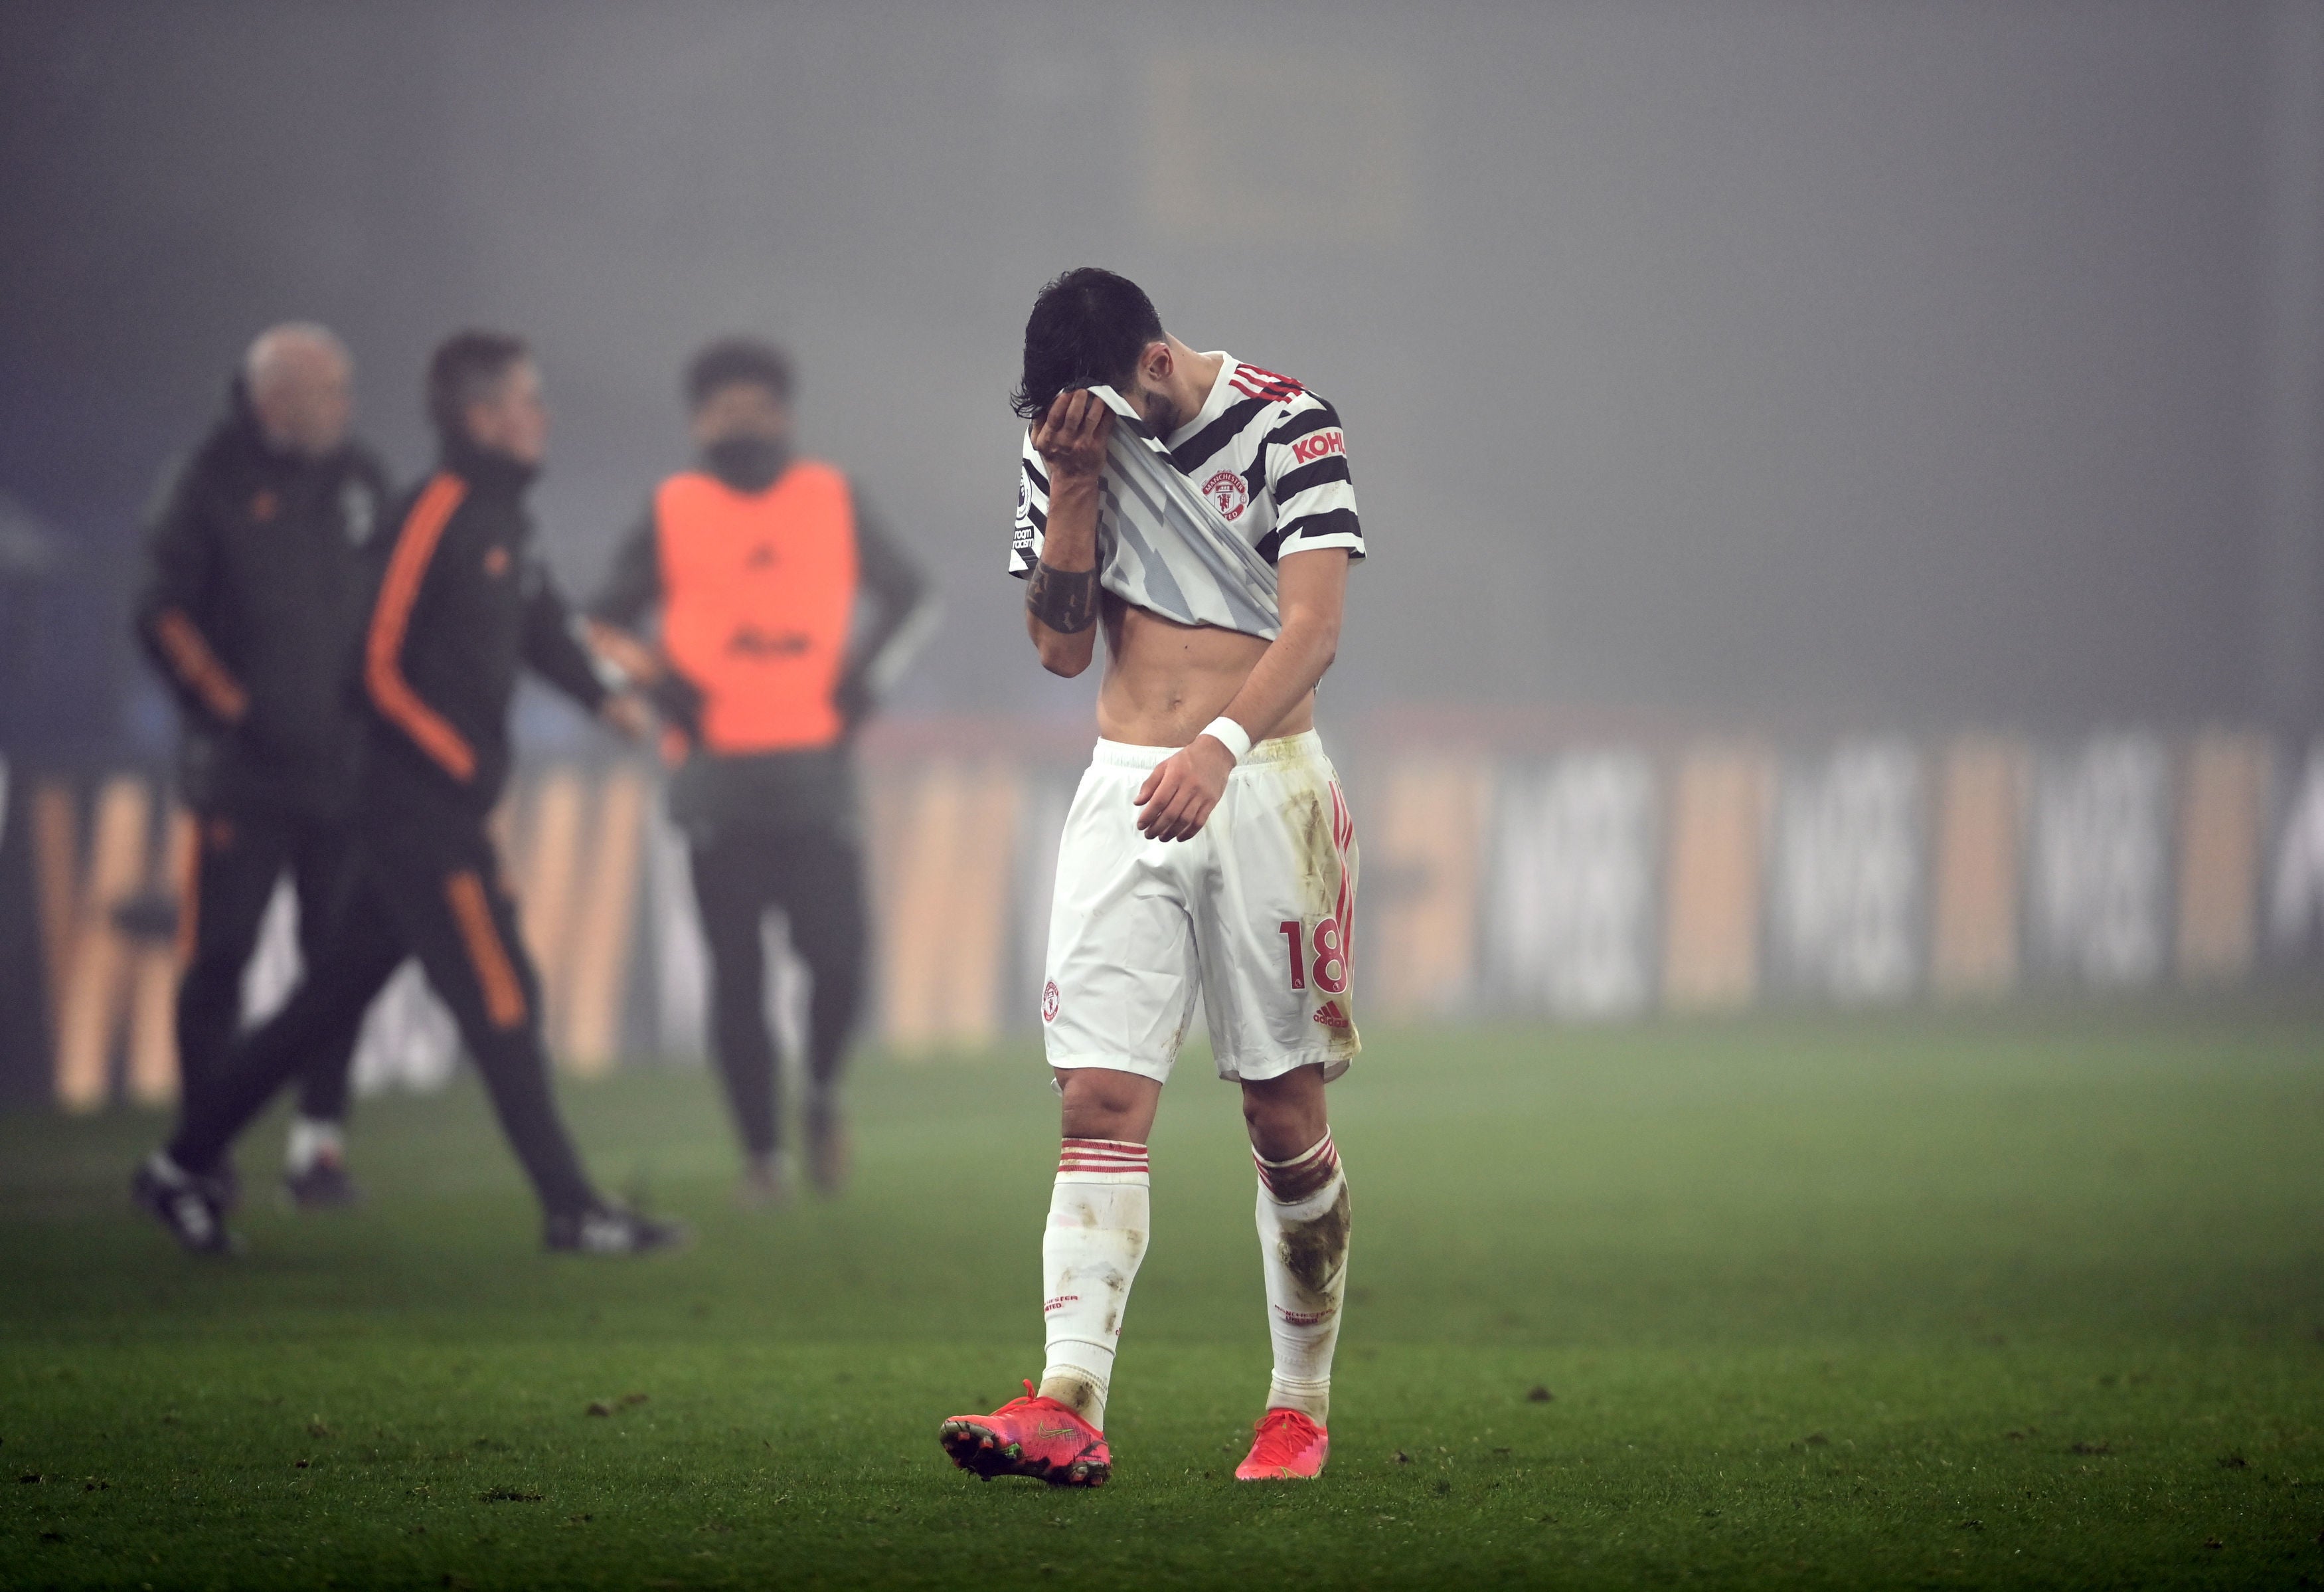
(1202, 510)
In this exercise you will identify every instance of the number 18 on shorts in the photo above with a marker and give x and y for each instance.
(1257, 914)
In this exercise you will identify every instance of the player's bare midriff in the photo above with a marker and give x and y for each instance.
(1165, 680)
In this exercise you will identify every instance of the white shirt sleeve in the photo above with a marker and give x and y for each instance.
(1032, 510)
(1306, 456)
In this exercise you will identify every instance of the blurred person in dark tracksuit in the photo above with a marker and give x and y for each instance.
(786, 610)
(251, 601)
(464, 600)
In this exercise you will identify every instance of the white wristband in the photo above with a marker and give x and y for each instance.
(1227, 733)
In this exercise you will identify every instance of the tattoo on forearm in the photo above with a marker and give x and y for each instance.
(1066, 600)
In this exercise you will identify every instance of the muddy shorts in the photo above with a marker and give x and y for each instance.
(1255, 913)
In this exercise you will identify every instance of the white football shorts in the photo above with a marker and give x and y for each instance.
(1256, 911)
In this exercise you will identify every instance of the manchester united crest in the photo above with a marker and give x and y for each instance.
(1227, 495)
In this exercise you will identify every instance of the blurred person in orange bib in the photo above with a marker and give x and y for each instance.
(786, 610)
(251, 606)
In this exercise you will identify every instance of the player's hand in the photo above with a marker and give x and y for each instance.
(626, 712)
(1071, 438)
(1179, 796)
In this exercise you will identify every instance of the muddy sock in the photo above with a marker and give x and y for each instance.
(1095, 1238)
(1302, 1245)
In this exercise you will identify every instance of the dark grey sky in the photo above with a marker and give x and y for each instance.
(1885, 362)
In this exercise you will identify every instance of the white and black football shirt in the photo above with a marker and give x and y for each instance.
(1266, 456)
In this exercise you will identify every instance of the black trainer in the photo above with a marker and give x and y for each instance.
(602, 1231)
(187, 1205)
(323, 1186)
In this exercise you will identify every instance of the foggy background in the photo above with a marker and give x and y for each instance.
(1873, 362)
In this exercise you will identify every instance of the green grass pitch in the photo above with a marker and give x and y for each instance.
(2018, 1300)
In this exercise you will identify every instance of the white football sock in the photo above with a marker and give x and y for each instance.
(312, 1138)
(1098, 1214)
(1303, 1245)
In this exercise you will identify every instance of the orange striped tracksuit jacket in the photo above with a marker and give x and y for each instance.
(462, 603)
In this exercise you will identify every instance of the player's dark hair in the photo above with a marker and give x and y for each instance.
(732, 360)
(467, 368)
(1088, 327)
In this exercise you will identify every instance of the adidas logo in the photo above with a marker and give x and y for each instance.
(1330, 1015)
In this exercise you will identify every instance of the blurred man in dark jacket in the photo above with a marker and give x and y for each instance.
(463, 602)
(251, 600)
(787, 609)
